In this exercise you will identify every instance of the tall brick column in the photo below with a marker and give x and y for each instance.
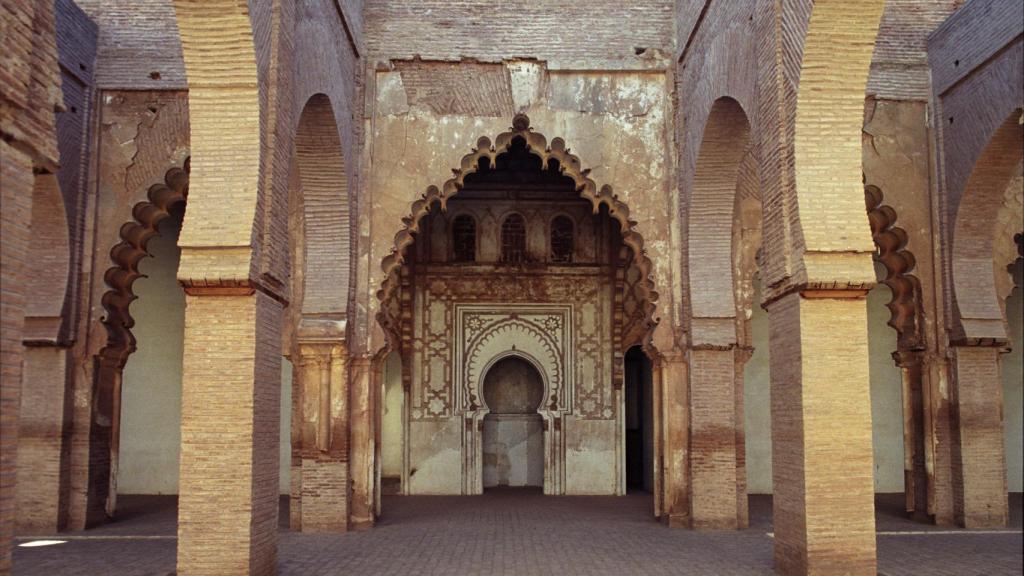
(821, 434)
(16, 197)
(713, 449)
(42, 437)
(675, 392)
(230, 419)
(979, 460)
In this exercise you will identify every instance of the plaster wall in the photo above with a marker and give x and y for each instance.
(615, 121)
(391, 425)
(151, 390)
(513, 450)
(1013, 385)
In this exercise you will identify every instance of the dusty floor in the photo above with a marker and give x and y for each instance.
(523, 533)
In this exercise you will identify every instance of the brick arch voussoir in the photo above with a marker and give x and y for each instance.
(126, 256)
(712, 209)
(326, 207)
(905, 307)
(538, 145)
(977, 302)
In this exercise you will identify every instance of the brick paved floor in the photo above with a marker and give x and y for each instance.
(524, 533)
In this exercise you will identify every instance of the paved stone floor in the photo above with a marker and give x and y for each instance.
(523, 533)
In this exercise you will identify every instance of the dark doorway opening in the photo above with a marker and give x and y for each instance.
(639, 422)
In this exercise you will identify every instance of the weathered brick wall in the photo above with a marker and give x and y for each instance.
(29, 93)
(899, 66)
(140, 48)
(590, 35)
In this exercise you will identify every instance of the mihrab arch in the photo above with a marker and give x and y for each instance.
(541, 335)
(572, 316)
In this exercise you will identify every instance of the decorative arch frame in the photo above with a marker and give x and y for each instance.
(126, 255)
(555, 154)
(545, 380)
(905, 307)
(510, 333)
(979, 314)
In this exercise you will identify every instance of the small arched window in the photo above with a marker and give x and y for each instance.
(464, 239)
(562, 239)
(513, 239)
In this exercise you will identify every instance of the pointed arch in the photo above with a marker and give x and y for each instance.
(711, 218)
(105, 421)
(326, 209)
(977, 303)
(555, 156)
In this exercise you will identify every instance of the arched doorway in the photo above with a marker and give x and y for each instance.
(639, 421)
(513, 435)
(519, 255)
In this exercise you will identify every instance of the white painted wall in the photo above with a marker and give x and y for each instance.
(1013, 385)
(886, 400)
(757, 417)
(886, 394)
(151, 389)
(391, 426)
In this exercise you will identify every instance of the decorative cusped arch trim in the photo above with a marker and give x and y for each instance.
(556, 154)
(905, 307)
(128, 254)
(513, 337)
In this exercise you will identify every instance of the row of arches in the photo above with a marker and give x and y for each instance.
(891, 242)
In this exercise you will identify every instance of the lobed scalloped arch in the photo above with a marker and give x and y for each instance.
(554, 154)
(511, 337)
(899, 262)
(126, 256)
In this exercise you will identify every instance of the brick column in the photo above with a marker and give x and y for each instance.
(230, 412)
(821, 434)
(43, 469)
(675, 402)
(321, 491)
(979, 461)
(713, 452)
(16, 198)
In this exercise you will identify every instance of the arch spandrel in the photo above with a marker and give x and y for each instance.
(537, 144)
